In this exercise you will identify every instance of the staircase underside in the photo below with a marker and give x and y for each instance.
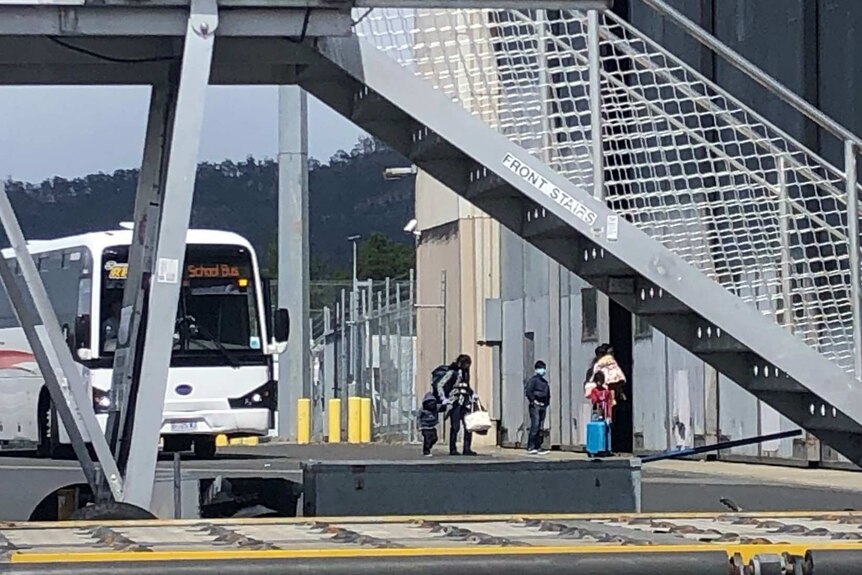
(563, 220)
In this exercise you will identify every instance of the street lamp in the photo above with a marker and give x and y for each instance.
(398, 173)
(354, 239)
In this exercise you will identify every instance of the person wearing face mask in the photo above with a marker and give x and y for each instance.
(538, 393)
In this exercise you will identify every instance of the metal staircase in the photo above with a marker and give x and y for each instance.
(638, 174)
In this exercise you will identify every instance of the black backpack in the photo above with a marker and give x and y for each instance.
(437, 376)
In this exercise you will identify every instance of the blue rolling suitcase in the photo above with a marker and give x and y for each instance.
(598, 438)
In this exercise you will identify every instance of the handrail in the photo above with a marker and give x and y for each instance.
(755, 73)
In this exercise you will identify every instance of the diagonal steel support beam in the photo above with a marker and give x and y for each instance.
(64, 381)
(147, 215)
(163, 285)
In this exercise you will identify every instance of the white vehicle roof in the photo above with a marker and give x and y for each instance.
(98, 241)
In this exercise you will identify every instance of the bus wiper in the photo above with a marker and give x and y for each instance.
(219, 345)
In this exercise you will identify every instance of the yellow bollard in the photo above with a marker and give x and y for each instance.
(303, 421)
(354, 419)
(334, 421)
(365, 419)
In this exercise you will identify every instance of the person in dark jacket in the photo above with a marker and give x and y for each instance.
(460, 396)
(538, 393)
(428, 419)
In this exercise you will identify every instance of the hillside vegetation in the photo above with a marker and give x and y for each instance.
(347, 195)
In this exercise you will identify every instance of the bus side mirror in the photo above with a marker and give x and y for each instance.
(282, 325)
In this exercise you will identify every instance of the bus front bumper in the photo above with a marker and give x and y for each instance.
(248, 421)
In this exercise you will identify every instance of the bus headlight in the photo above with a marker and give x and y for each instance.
(101, 401)
(263, 396)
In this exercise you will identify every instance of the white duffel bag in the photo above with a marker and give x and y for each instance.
(478, 420)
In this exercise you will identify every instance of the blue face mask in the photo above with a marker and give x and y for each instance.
(541, 371)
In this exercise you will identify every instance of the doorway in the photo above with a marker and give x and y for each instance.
(621, 338)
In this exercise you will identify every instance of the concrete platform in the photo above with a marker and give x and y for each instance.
(470, 485)
(273, 470)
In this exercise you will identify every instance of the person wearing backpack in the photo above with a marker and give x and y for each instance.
(460, 396)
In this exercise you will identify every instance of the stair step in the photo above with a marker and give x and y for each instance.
(484, 184)
(538, 223)
(708, 338)
(651, 300)
(594, 262)
(429, 146)
(368, 106)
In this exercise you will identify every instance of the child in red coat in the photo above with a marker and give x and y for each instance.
(601, 398)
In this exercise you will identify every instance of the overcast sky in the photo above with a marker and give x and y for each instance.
(73, 131)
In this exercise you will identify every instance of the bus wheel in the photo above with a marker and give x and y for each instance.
(205, 447)
(111, 511)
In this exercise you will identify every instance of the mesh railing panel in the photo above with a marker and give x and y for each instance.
(707, 177)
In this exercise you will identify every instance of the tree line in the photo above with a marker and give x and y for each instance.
(348, 195)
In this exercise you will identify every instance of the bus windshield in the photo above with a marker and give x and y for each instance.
(217, 316)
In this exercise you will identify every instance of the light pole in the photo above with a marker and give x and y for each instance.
(353, 312)
(398, 173)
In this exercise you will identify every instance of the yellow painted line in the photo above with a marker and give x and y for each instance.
(813, 515)
(237, 555)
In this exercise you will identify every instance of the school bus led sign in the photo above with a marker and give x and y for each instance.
(212, 271)
(118, 271)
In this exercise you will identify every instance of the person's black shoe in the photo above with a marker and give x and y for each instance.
(470, 453)
(454, 453)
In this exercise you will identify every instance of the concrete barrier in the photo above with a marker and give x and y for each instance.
(470, 486)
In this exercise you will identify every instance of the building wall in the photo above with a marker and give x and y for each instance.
(455, 236)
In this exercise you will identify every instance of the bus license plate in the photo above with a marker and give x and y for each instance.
(184, 426)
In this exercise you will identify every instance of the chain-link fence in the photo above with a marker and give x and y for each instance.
(367, 349)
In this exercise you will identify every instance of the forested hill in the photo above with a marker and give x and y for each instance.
(348, 195)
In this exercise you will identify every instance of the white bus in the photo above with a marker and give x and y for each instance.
(221, 377)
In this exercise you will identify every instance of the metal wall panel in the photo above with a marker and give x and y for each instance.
(651, 399)
(737, 414)
(511, 265)
(780, 38)
(513, 367)
(839, 81)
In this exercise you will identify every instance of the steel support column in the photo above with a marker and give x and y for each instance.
(294, 379)
(164, 286)
(595, 77)
(63, 378)
(147, 215)
(603, 304)
(853, 236)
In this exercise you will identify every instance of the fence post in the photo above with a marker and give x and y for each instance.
(385, 384)
(399, 373)
(411, 319)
